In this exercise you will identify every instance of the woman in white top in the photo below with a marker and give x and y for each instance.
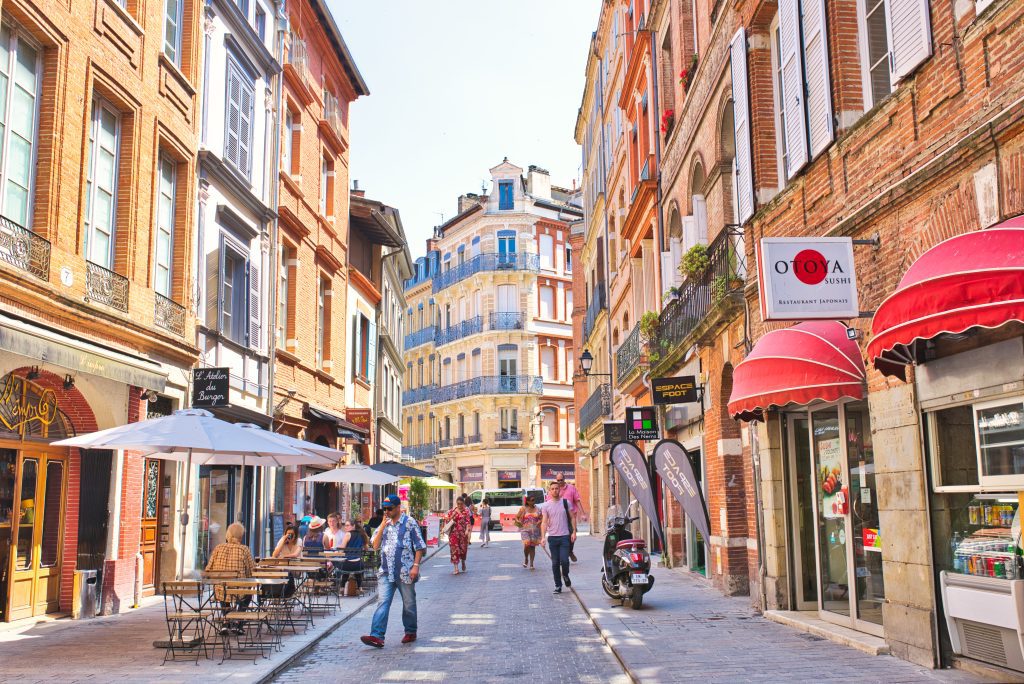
(485, 522)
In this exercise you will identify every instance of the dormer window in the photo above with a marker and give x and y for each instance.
(506, 195)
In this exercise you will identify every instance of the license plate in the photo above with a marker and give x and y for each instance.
(639, 579)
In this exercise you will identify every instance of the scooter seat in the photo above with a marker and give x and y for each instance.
(631, 543)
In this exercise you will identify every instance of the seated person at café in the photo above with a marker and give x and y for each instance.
(333, 532)
(289, 546)
(313, 543)
(354, 545)
(232, 556)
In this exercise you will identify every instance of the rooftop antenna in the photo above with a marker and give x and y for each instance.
(483, 186)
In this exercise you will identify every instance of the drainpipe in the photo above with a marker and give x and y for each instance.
(657, 162)
(607, 288)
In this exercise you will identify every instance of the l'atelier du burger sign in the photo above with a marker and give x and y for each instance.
(807, 278)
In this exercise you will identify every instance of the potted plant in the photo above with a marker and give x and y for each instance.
(695, 261)
(419, 500)
(649, 324)
(667, 119)
(686, 75)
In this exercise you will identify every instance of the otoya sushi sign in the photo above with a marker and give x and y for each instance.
(807, 278)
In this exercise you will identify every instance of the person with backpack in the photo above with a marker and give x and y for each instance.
(558, 525)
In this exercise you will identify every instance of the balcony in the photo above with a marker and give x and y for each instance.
(452, 333)
(474, 439)
(296, 67)
(507, 320)
(420, 451)
(332, 123)
(598, 303)
(103, 286)
(489, 384)
(169, 315)
(459, 441)
(444, 443)
(512, 435)
(597, 406)
(415, 396)
(421, 336)
(702, 304)
(627, 358)
(504, 261)
(23, 249)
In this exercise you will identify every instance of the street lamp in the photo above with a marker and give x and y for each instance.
(587, 362)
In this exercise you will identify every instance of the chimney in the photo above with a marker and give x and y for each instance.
(356, 191)
(538, 182)
(468, 201)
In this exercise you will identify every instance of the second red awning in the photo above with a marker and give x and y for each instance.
(812, 361)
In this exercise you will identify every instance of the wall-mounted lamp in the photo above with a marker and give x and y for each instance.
(587, 362)
(69, 382)
(33, 373)
(149, 395)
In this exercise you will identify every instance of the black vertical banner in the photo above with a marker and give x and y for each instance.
(632, 465)
(676, 470)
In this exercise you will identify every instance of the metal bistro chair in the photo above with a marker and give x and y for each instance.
(211, 608)
(251, 619)
(279, 602)
(371, 561)
(186, 622)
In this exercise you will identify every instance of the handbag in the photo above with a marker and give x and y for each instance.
(447, 528)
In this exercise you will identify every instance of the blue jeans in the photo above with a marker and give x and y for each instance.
(387, 589)
(559, 548)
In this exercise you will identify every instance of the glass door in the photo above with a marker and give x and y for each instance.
(801, 512)
(830, 481)
(866, 549)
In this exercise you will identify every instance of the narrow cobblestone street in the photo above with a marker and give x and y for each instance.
(498, 622)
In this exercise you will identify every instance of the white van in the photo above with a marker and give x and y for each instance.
(507, 501)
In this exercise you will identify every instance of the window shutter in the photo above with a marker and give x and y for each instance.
(233, 115)
(910, 36)
(741, 123)
(253, 271)
(668, 272)
(819, 89)
(356, 346)
(214, 269)
(700, 216)
(792, 85)
(689, 232)
(245, 111)
(371, 354)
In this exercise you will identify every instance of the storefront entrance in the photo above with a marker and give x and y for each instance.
(836, 543)
(148, 543)
(696, 557)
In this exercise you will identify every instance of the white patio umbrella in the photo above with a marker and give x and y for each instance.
(352, 474)
(195, 437)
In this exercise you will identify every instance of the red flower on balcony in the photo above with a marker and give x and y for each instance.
(687, 74)
(667, 118)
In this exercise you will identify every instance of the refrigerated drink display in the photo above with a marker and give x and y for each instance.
(988, 548)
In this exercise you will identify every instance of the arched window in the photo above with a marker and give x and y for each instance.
(727, 137)
(700, 208)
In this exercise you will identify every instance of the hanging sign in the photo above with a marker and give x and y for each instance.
(614, 433)
(632, 466)
(807, 278)
(673, 463)
(361, 418)
(681, 390)
(642, 423)
(210, 387)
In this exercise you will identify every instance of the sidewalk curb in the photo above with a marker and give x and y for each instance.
(302, 652)
(604, 635)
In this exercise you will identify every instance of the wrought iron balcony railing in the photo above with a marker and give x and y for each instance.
(492, 261)
(513, 435)
(699, 296)
(444, 443)
(474, 439)
(23, 249)
(507, 320)
(415, 396)
(169, 315)
(468, 327)
(421, 336)
(106, 287)
(598, 303)
(459, 441)
(597, 406)
(333, 114)
(489, 384)
(627, 358)
(420, 451)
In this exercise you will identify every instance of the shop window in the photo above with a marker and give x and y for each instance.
(952, 446)
(977, 446)
(1000, 427)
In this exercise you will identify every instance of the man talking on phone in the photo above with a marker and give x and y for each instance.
(402, 549)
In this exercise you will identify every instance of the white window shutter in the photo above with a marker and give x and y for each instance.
(741, 123)
(910, 36)
(689, 232)
(668, 271)
(255, 341)
(792, 86)
(819, 90)
(700, 215)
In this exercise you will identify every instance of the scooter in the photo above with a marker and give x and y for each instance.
(626, 575)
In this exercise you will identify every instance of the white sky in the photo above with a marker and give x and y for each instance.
(455, 86)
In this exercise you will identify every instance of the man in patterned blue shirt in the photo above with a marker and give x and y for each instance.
(402, 548)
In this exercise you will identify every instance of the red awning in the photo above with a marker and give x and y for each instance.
(812, 361)
(974, 280)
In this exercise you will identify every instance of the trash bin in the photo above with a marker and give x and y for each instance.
(86, 595)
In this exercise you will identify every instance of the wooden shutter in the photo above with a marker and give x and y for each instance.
(741, 126)
(668, 272)
(910, 36)
(792, 96)
(371, 353)
(356, 346)
(233, 114)
(253, 271)
(819, 90)
(700, 216)
(214, 269)
(245, 109)
(690, 232)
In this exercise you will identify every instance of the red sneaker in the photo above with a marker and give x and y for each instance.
(407, 639)
(373, 641)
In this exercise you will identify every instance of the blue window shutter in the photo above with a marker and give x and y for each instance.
(371, 354)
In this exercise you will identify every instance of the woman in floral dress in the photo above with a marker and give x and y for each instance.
(458, 535)
(528, 521)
